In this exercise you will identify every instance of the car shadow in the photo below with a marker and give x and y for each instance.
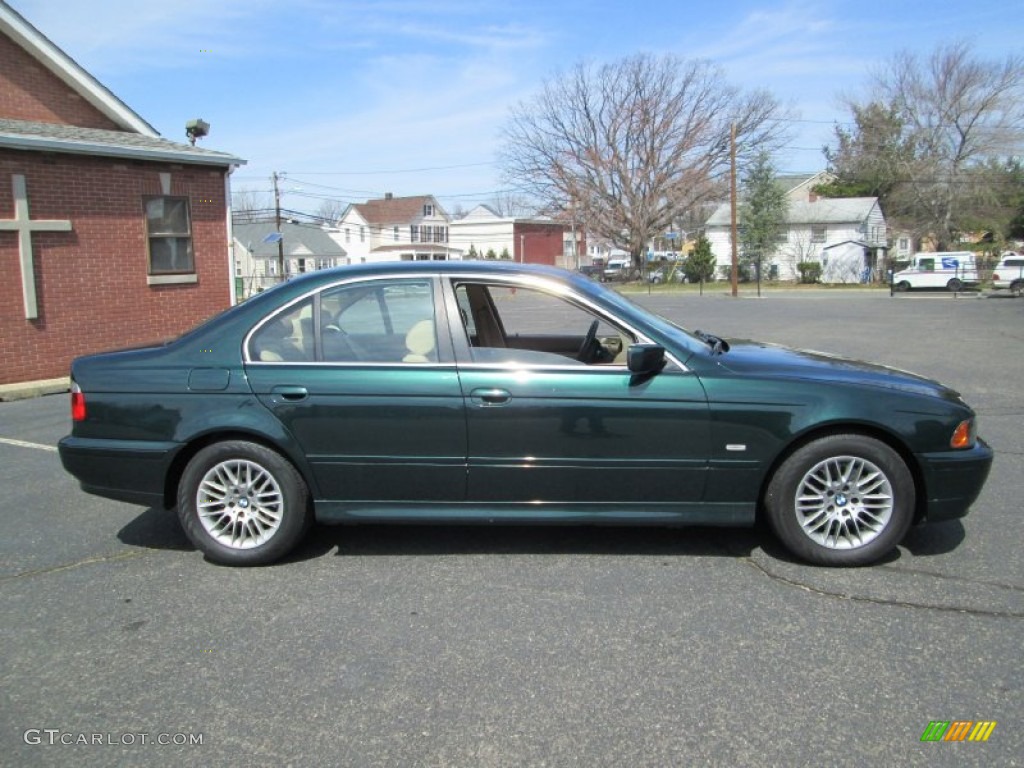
(935, 538)
(155, 528)
(920, 541)
(420, 540)
(159, 529)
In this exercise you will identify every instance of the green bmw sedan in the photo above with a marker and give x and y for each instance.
(474, 392)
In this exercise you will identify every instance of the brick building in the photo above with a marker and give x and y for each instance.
(110, 235)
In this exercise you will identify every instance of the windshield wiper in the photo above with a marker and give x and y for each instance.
(718, 345)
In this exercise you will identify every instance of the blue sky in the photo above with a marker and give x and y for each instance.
(352, 99)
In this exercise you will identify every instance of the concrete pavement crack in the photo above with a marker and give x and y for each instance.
(937, 575)
(880, 601)
(111, 558)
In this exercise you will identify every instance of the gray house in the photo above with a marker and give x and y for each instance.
(305, 247)
(847, 236)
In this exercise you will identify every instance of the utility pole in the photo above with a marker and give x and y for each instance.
(732, 212)
(277, 223)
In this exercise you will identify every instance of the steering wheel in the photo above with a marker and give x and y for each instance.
(590, 344)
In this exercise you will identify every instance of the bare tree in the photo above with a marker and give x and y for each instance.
(957, 113)
(249, 205)
(331, 211)
(631, 144)
(510, 203)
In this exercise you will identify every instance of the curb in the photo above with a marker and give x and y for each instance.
(28, 389)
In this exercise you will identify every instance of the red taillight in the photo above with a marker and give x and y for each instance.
(77, 403)
(995, 275)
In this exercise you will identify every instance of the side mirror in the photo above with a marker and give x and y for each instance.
(645, 358)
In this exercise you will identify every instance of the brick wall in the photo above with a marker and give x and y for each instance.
(91, 282)
(543, 243)
(29, 91)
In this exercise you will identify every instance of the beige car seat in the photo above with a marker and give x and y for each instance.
(421, 343)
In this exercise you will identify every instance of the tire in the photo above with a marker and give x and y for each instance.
(1017, 288)
(241, 503)
(902, 286)
(955, 285)
(841, 500)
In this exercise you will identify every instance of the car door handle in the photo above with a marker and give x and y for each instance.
(290, 393)
(490, 396)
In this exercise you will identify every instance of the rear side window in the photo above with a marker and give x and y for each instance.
(379, 321)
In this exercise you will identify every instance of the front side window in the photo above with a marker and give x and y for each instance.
(524, 326)
(169, 234)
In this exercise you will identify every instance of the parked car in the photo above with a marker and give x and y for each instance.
(593, 271)
(508, 393)
(1009, 273)
(663, 274)
(618, 270)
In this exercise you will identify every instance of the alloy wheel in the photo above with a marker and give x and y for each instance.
(844, 502)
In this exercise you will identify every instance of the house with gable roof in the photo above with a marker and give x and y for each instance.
(847, 236)
(110, 234)
(396, 229)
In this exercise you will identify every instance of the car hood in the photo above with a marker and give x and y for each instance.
(771, 359)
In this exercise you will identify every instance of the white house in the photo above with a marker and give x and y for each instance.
(847, 236)
(396, 229)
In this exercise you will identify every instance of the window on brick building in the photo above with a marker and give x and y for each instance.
(169, 233)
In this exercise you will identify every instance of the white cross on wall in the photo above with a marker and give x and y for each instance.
(24, 226)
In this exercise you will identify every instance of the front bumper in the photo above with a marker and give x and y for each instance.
(953, 480)
(133, 471)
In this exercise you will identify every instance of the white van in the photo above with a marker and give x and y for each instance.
(952, 270)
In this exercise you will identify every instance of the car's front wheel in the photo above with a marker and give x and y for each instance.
(841, 500)
(241, 503)
(903, 286)
(955, 284)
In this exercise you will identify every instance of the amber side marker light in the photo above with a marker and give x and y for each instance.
(963, 435)
(77, 403)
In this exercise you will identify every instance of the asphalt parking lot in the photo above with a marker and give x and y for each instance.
(437, 646)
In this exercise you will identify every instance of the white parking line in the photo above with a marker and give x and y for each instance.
(25, 444)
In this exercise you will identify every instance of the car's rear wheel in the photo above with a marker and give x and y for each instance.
(241, 503)
(841, 500)
(1017, 288)
(955, 285)
(903, 286)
